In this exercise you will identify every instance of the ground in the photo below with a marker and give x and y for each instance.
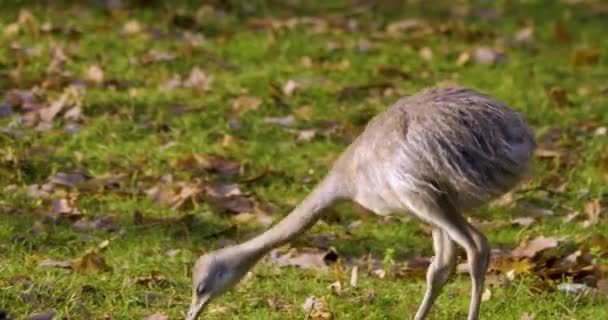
(109, 190)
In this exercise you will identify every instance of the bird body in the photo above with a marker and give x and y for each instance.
(434, 154)
(451, 141)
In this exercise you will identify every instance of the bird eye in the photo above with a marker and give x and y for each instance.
(201, 289)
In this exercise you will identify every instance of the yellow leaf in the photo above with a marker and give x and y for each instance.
(90, 263)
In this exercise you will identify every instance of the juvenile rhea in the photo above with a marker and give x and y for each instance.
(434, 154)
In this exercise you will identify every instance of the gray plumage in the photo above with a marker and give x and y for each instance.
(453, 141)
(434, 155)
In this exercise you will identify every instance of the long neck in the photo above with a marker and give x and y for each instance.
(299, 220)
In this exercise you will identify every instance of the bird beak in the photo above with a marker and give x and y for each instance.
(197, 306)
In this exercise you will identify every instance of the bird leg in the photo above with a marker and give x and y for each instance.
(478, 264)
(442, 214)
(440, 270)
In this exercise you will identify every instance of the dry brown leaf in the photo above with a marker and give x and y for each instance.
(306, 135)
(94, 74)
(90, 263)
(399, 27)
(528, 316)
(172, 83)
(561, 33)
(559, 96)
(132, 27)
(463, 58)
(304, 112)
(154, 56)
(306, 258)
(316, 309)
(73, 114)
(287, 121)
(488, 56)
(246, 103)
(233, 204)
(506, 264)
(157, 316)
(67, 179)
(105, 222)
(47, 315)
(531, 248)
(209, 162)
(198, 80)
(154, 278)
(426, 54)
(354, 277)
(48, 114)
(524, 36)
(56, 263)
(290, 87)
(336, 288)
(523, 221)
(585, 57)
(593, 210)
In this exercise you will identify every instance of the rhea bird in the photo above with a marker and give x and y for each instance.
(435, 154)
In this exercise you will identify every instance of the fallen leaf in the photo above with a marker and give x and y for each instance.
(94, 74)
(593, 210)
(523, 221)
(463, 58)
(304, 112)
(336, 288)
(488, 56)
(90, 263)
(354, 277)
(528, 316)
(316, 309)
(246, 103)
(38, 228)
(56, 263)
(426, 53)
(486, 295)
(132, 27)
(198, 80)
(585, 57)
(306, 135)
(172, 83)
(531, 248)
(67, 179)
(393, 72)
(208, 162)
(524, 36)
(106, 222)
(154, 278)
(290, 87)
(561, 33)
(574, 288)
(287, 121)
(559, 96)
(506, 264)
(154, 56)
(233, 204)
(47, 315)
(305, 258)
(399, 27)
(73, 114)
(156, 316)
(63, 206)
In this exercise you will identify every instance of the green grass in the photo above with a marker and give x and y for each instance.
(124, 128)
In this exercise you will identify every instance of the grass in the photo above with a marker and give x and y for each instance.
(124, 128)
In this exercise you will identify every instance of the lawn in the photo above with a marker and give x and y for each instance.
(134, 138)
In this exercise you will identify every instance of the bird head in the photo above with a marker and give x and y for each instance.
(214, 274)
